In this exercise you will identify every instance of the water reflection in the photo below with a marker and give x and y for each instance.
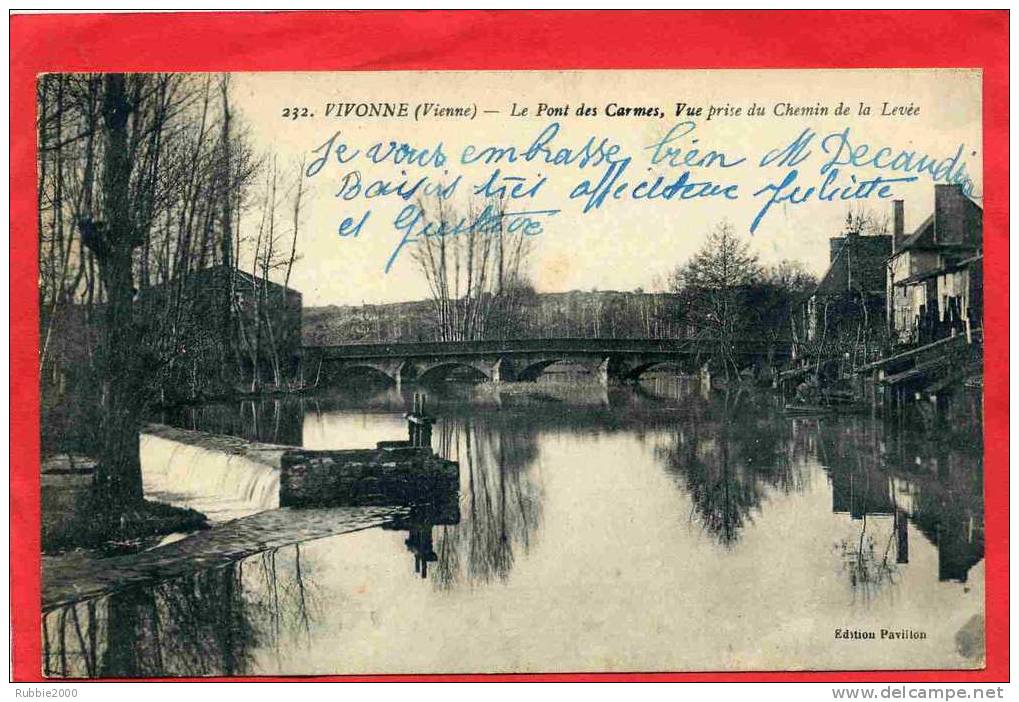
(727, 455)
(420, 525)
(500, 494)
(934, 482)
(207, 624)
(271, 421)
(571, 501)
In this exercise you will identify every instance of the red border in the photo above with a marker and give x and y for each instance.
(446, 40)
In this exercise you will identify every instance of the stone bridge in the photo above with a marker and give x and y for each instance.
(526, 359)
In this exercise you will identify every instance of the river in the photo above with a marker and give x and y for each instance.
(648, 528)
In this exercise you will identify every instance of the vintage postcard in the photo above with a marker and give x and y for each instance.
(511, 372)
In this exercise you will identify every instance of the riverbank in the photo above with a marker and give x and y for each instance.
(129, 531)
(72, 518)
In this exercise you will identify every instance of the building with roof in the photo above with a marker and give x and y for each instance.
(935, 274)
(845, 314)
(226, 325)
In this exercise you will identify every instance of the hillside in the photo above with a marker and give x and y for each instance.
(606, 313)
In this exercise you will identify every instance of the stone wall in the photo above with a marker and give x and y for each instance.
(66, 489)
(393, 474)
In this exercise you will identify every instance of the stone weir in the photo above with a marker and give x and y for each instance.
(394, 473)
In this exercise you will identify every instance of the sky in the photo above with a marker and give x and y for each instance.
(625, 243)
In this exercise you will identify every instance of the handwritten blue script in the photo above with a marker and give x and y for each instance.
(414, 226)
(592, 170)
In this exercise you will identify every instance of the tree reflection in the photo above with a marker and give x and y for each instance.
(730, 453)
(270, 420)
(500, 500)
(728, 461)
(867, 562)
(206, 624)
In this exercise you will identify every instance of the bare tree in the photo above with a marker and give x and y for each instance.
(475, 274)
(273, 253)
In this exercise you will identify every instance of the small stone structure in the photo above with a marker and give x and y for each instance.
(395, 473)
(66, 477)
(66, 488)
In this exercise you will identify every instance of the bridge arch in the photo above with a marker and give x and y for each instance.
(635, 371)
(437, 371)
(533, 370)
(365, 369)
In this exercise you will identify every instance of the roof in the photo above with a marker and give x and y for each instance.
(878, 258)
(826, 279)
(917, 277)
(201, 276)
(934, 272)
(922, 238)
(955, 222)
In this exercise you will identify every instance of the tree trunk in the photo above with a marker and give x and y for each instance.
(118, 475)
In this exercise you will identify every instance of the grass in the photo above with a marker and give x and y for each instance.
(86, 527)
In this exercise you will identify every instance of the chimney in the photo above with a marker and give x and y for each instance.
(899, 233)
(952, 216)
(835, 244)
